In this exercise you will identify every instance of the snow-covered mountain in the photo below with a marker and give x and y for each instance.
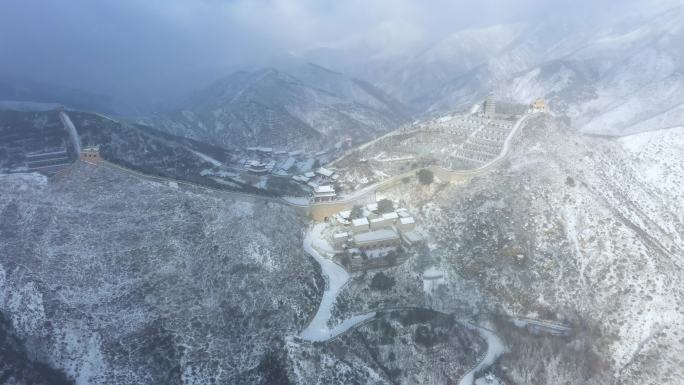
(108, 276)
(35, 95)
(585, 230)
(304, 106)
(628, 78)
(616, 72)
(115, 279)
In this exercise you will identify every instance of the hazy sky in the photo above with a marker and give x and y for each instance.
(155, 47)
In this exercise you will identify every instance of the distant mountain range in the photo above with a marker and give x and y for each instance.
(621, 78)
(306, 106)
(33, 95)
(615, 73)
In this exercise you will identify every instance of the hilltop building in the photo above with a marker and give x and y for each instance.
(374, 230)
(324, 194)
(376, 239)
(256, 167)
(406, 224)
(340, 238)
(360, 225)
(538, 106)
(324, 172)
(91, 155)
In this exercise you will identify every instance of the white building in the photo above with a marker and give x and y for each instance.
(360, 225)
(406, 224)
(340, 238)
(324, 172)
(379, 223)
(256, 167)
(410, 238)
(376, 239)
(324, 194)
(403, 213)
(288, 163)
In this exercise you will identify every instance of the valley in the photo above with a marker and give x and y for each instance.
(363, 193)
(307, 105)
(490, 275)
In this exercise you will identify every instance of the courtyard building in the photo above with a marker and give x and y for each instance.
(360, 225)
(324, 194)
(377, 239)
(339, 239)
(406, 224)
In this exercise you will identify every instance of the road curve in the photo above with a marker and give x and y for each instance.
(336, 278)
(495, 348)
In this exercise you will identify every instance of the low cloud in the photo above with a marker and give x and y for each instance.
(153, 48)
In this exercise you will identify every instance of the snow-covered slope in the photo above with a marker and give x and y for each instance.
(412, 78)
(618, 71)
(305, 106)
(625, 77)
(588, 231)
(114, 279)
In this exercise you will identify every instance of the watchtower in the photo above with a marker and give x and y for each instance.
(538, 106)
(91, 155)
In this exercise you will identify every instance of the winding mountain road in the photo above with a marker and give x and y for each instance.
(336, 278)
(495, 348)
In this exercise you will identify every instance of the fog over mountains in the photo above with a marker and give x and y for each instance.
(308, 105)
(613, 69)
(386, 192)
(616, 72)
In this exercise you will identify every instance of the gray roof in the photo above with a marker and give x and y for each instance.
(376, 236)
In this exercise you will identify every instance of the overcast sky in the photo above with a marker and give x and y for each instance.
(153, 47)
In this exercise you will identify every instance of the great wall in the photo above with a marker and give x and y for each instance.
(321, 210)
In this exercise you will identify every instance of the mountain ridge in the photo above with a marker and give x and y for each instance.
(307, 104)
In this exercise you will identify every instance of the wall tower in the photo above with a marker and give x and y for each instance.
(91, 155)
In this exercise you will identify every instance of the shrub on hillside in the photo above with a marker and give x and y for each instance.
(381, 281)
(425, 177)
(385, 206)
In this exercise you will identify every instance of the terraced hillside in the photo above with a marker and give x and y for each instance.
(582, 230)
(453, 142)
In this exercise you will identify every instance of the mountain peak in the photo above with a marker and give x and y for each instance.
(305, 105)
